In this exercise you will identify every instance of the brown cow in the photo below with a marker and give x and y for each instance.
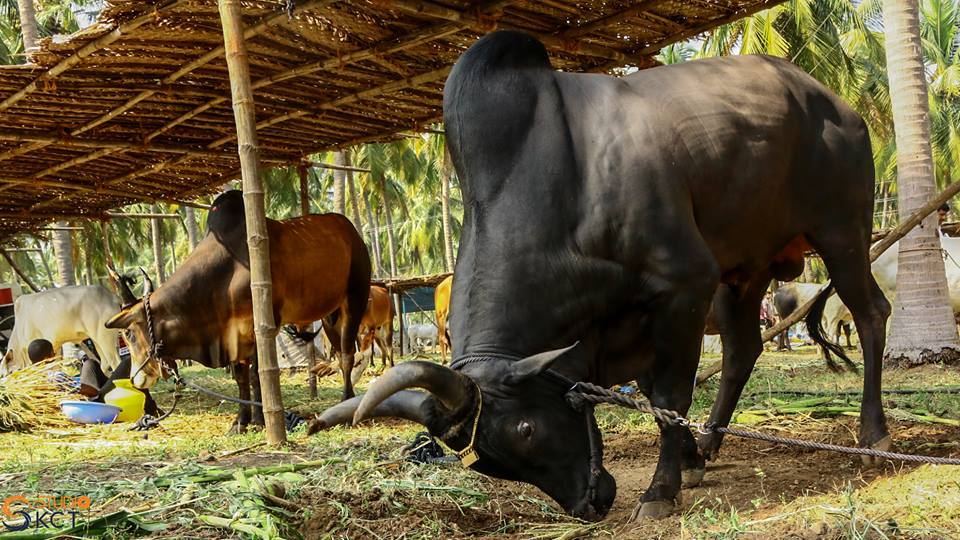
(204, 312)
(377, 325)
(441, 301)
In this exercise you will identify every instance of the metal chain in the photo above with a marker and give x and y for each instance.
(155, 345)
(596, 395)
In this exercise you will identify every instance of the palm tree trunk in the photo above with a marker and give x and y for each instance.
(340, 182)
(374, 239)
(391, 241)
(173, 255)
(63, 252)
(193, 231)
(445, 209)
(354, 201)
(28, 24)
(105, 236)
(157, 246)
(923, 328)
(88, 254)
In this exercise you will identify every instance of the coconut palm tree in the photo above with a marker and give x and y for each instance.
(923, 328)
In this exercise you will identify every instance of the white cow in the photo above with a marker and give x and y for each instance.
(421, 334)
(885, 272)
(61, 315)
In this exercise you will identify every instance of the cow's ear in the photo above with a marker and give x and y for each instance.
(123, 319)
(534, 365)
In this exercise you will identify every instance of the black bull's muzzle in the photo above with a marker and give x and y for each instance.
(453, 397)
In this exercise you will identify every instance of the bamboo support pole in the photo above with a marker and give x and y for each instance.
(16, 270)
(257, 239)
(891, 238)
(311, 350)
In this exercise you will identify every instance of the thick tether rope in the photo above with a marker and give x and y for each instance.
(596, 394)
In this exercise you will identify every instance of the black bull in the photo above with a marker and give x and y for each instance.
(612, 211)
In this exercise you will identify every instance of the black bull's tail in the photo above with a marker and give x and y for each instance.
(814, 321)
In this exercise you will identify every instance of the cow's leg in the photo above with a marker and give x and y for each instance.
(849, 266)
(257, 418)
(734, 312)
(846, 331)
(350, 316)
(690, 277)
(241, 374)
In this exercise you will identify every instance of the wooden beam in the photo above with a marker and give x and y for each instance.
(131, 215)
(258, 242)
(335, 167)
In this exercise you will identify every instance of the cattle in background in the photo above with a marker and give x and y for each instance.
(441, 302)
(787, 299)
(611, 212)
(422, 335)
(204, 311)
(884, 270)
(61, 315)
(377, 325)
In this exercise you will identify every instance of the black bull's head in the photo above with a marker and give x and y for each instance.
(525, 428)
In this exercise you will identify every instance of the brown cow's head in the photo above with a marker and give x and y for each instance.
(145, 370)
(526, 429)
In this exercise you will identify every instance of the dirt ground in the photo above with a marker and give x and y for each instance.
(750, 476)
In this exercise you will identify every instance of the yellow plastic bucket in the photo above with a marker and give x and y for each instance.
(130, 400)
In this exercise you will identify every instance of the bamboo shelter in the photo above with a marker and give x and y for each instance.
(137, 106)
(168, 100)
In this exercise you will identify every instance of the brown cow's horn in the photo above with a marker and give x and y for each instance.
(147, 282)
(452, 389)
(406, 404)
(126, 295)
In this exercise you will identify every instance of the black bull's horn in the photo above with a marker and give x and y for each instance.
(126, 295)
(449, 393)
(147, 282)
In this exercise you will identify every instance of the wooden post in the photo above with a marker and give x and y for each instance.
(311, 350)
(16, 270)
(261, 285)
(399, 299)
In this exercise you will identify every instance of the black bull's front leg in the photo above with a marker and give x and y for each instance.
(678, 322)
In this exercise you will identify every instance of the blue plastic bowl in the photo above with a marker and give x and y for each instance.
(89, 412)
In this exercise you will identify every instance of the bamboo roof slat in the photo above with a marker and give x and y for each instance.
(137, 106)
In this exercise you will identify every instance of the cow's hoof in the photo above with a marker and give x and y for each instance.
(652, 510)
(882, 445)
(236, 429)
(691, 477)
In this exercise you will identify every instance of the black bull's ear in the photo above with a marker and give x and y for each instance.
(534, 365)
